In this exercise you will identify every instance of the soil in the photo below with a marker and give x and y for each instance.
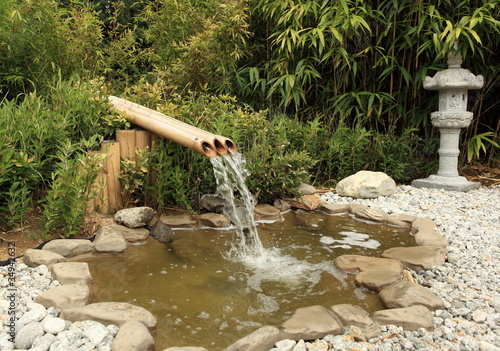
(31, 235)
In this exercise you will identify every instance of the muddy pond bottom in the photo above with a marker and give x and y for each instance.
(202, 298)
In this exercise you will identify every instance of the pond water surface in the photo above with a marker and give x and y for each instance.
(202, 298)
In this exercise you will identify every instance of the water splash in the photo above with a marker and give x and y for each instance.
(231, 174)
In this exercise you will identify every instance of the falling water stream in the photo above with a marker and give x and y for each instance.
(211, 287)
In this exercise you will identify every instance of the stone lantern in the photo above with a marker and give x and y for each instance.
(452, 84)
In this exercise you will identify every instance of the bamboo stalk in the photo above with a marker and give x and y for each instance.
(112, 165)
(126, 139)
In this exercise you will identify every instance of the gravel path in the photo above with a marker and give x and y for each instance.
(469, 284)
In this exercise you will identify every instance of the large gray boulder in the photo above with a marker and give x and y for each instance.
(35, 258)
(133, 336)
(134, 217)
(116, 313)
(366, 185)
(163, 233)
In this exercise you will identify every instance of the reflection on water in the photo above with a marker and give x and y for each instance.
(201, 298)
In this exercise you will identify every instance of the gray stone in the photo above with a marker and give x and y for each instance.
(134, 217)
(36, 313)
(132, 235)
(417, 258)
(34, 258)
(163, 233)
(306, 189)
(261, 339)
(213, 203)
(355, 263)
(214, 220)
(366, 185)
(96, 332)
(72, 273)
(65, 296)
(377, 280)
(179, 221)
(117, 313)
(69, 247)
(371, 215)
(109, 240)
(409, 318)
(43, 343)
(306, 202)
(282, 205)
(333, 208)
(133, 336)
(185, 348)
(311, 323)
(406, 294)
(446, 183)
(266, 212)
(54, 325)
(27, 335)
(353, 315)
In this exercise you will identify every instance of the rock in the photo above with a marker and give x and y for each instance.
(406, 294)
(306, 202)
(377, 280)
(186, 348)
(353, 315)
(27, 335)
(261, 339)
(333, 208)
(179, 221)
(366, 185)
(311, 323)
(95, 332)
(371, 215)
(306, 189)
(132, 235)
(53, 325)
(134, 217)
(213, 203)
(35, 258)
(65, 296)
(117, 313)
(72, 273)
(355, 207)
(409, 318)
(282, 205)
(133, 336)
(36, 313)
(426, 234)
(400, 220)
(355, 263)
(214, 220)
(69, 247)
(163, 233)
(266, 212)
(43, 343)
(417, 257)
(109, 240)
(286, 344)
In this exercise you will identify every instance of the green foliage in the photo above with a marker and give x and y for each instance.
(479, 142)
(71, 184)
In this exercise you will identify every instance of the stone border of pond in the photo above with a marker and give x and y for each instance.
(408, 303)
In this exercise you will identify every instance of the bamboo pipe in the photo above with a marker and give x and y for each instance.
(171, 132)
(222, 144)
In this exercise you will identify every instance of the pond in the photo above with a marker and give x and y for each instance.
(201, 297)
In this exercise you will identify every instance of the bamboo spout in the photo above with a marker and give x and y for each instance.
(221, 144)
(205, 147)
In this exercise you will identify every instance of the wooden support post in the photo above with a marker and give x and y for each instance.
(126, 138)
(112, 165)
